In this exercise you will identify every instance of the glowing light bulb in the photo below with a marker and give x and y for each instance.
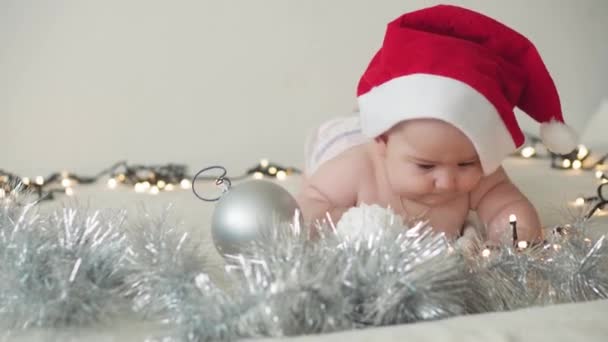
(272, 170)
(566, 163)
(169, 187)
(139, 187)
(583, 151)
(39, 180)
(121, 177)
(161, 184)
(258, 175)
(486, 253)
(579, 202)
(264, 163)
(522, 244)
(528, 152)
(577, 164)
(185, 183)
(281, 175)
(512, 218)
(599, 174)
(66, 182)
(154, 190)
(25, 180)
(112, 183)
(69, 191)
(557, 247)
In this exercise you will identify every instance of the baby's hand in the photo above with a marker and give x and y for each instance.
(528, 226)
(495, 199)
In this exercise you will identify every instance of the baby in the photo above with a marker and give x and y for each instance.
(435, 123)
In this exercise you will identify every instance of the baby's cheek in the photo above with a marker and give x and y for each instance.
(469, 182)
(409, 180)
(417, 185)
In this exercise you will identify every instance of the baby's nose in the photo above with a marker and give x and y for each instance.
(445, 181)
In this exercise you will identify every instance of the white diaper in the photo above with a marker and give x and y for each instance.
(330, 139)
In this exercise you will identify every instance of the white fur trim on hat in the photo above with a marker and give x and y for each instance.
(420, 96)
(558, 137)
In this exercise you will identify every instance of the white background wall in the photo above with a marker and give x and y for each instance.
(85, 83)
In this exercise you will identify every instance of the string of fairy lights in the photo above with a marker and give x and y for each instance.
(154, 179)
(151, 179)
(579, 159)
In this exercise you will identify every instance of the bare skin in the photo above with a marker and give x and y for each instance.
(422, 169)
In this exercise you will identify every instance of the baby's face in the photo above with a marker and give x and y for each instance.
(429, 161)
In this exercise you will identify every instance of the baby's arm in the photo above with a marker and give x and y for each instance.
(495, 199)
(332, 188)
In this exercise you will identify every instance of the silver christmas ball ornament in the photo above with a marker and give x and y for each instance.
(246, 210)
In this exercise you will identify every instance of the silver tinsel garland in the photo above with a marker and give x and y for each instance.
(576, 267)
(76, 266)
(399, 275)
(289, 285)
(165, 265)
(59, 270)
(169, 283)
(570, 266)
(509, 278)
(293, 285)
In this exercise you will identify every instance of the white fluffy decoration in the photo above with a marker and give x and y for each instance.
(366, 219)
(558, 137)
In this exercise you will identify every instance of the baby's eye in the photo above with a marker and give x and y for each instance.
(466, 164)
(426, 166)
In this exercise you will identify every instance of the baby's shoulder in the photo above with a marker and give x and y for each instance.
(489, 181)
(487, 184)
(359, 154)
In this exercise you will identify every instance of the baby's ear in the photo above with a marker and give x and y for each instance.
(380, 142)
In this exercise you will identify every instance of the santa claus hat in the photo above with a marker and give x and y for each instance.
(459, 66)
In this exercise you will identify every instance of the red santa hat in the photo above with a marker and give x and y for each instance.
(459, 66)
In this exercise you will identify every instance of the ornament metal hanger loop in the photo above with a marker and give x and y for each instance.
(222, 180)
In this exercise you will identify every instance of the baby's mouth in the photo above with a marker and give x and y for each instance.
(440, 197)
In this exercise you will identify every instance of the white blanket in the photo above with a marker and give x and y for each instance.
(566, 322)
